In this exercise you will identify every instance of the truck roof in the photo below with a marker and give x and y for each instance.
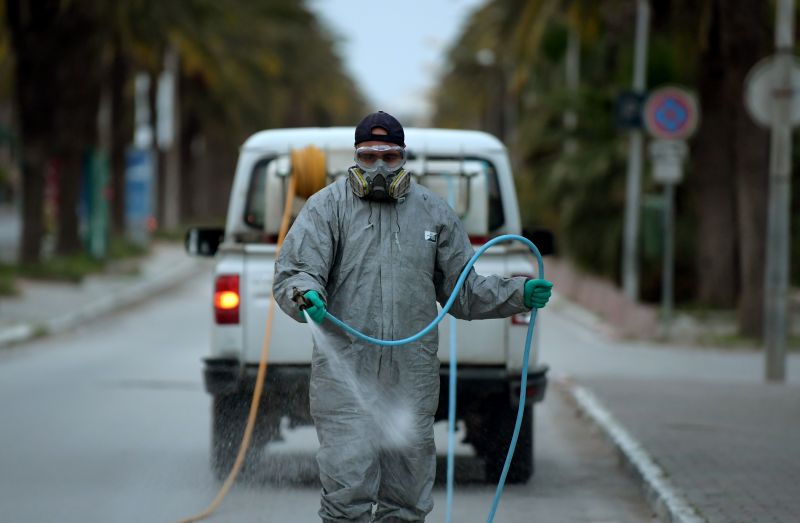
(438, 141)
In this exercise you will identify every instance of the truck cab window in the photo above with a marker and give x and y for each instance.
(254, 209)
(478, 201)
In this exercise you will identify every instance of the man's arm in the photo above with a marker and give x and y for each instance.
(481, 297)
(306, 256)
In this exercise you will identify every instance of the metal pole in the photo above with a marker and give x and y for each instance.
(668, 264)
(780, 170)
(630, 270)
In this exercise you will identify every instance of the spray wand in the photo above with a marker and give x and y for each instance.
(299, 299)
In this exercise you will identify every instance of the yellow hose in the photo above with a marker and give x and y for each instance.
(307, 177)
(308, 168)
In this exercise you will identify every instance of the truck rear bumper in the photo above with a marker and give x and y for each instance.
(494, 380)
(288, 384)
(285, 386)
(229, 376)
(477, 385)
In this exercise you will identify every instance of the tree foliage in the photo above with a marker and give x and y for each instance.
(571, 175)
(244, 66)
(577, 192)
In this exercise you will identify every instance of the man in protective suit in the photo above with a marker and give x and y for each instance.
(378, 251)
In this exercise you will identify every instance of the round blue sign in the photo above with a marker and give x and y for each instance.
(671, 113)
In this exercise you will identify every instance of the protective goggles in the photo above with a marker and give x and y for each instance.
(372, 158)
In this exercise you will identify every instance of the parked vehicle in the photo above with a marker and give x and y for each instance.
(471, 170)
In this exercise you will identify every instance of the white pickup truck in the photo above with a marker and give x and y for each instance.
(471, 171)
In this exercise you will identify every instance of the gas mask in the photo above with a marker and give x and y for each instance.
(378, 174)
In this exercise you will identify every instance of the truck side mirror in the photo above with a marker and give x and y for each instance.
(203, 241)
(543, 239)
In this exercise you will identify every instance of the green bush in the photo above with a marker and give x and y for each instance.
(8, 276)
(120, 248)
(73, 268)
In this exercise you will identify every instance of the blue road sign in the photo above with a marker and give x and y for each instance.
(671, 113)
(628, 110)
(139, 178)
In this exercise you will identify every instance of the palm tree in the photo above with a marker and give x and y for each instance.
(711, 44)
(729, 156)
(35, 37)
(242, 63)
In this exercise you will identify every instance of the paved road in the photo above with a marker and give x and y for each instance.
(110, 423)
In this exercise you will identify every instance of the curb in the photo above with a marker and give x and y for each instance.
(135, 294)
(662, 495)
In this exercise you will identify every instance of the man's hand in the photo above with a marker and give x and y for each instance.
(317, 308)
(537, 293)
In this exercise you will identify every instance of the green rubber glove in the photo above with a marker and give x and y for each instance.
(537, 293)
(317, 309)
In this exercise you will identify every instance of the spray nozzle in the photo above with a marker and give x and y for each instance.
(299, 298)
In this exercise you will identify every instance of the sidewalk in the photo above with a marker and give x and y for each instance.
(707, 438)
(631, 320)
(50, 307)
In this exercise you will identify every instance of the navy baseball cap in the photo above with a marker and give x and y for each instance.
(385, 121)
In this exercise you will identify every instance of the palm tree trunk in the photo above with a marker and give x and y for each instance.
(69, 183)
(747, 37)
(712, 184)
(30, 23)
(77, 116)
(80, 89)
(121, 133)
(33, 168)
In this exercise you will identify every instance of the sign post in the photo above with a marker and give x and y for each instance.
(771, 96)
(671, 116)
(630, 254)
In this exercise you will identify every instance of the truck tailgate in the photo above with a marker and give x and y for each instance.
(291, 341)
(479, 342)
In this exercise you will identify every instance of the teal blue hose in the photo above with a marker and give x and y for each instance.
(525, 359)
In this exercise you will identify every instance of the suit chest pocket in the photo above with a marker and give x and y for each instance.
(419, 249)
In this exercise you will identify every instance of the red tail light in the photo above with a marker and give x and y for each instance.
(521, 319)
(478, 240)
(226, 299)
